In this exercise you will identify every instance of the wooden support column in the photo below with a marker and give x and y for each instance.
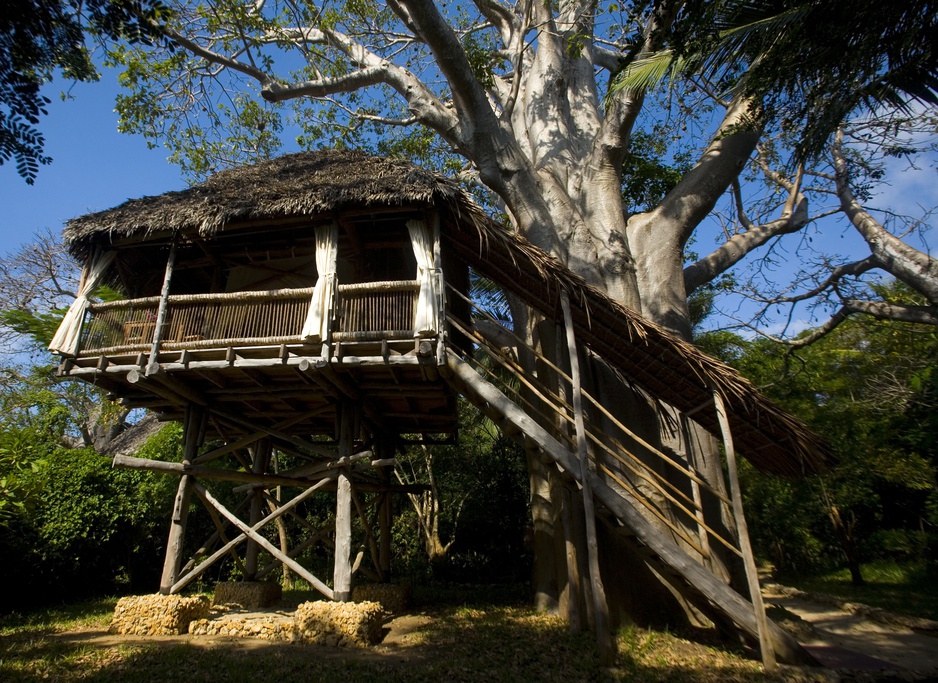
(600, 608)
(192, 437)
(152, 365)
(564, 507)
(689, 448)
(752, 575)
(260, 458)
(342, 572)
(385, 512)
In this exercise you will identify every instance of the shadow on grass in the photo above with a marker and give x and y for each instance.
(446, 643)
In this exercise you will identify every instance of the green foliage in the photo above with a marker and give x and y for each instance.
(40, 327)
(41, 37)
(481, 487)
(647, 178)
(480, 56)
(904, 586)
(869, 388)
(807, 65)
(70, 525)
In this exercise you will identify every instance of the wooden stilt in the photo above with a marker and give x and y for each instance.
(752, 575)
(600, 608)
(574, 580)
(177, 530)
(385, 521)
(342, 572)
(261, 455)
(385, 450)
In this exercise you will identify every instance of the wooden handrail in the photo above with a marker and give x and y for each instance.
(195, 321)
(259, 295)
(554, 406)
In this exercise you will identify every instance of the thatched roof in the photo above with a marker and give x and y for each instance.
(320, 183)
(305, 184)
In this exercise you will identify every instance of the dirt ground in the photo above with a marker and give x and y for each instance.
(844, 639)
(839, 638)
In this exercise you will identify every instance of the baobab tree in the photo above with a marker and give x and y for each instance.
(515, 97)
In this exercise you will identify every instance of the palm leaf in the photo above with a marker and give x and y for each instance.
(647, 71)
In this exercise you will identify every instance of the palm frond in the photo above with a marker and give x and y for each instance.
(647, 71)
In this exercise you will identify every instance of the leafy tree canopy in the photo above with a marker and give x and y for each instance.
(806, 65)
(871, 387)
(39, 38)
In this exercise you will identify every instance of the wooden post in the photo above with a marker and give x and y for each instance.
(152, 365)
(600, 608)
(342, 572)
(385, 513)
(574, 580)
(192, 433)
(261, 455)
(752, 575)
(689, 449)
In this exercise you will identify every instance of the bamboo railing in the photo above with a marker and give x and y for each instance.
(363, 312)
(376, 310)
(643, 472)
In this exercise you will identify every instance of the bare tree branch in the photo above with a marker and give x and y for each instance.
(882, 310)
(915, 268)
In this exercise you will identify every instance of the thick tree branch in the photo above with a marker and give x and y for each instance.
(818, 332)
(469, 96)
(501, 17)
(734, 249)
(274, 91)
(607, 59)
(923, 315)
(623, 108)
(913, 267)
(882, 310)
(374, 71)
(215, 58)
(794, 218)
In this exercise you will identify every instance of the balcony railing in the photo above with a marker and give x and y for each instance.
(368, 311)
(376, 310)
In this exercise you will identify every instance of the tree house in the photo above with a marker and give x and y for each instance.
(318, 306)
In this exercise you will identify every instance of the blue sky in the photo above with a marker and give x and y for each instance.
(93, 168)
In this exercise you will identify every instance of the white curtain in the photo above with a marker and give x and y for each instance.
(425, 241)
(316, 327)
(67, 337)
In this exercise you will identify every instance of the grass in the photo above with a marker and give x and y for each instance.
(901, 588)
(80, 615)
(447, 642)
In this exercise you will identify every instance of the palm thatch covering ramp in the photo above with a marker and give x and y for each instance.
(666, 555)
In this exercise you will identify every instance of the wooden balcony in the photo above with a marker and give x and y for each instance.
(372, 311)
(242, 353)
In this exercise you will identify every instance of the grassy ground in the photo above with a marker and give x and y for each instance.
(449, 643)
(901, 588)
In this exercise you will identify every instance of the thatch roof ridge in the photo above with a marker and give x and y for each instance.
(305, 183)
